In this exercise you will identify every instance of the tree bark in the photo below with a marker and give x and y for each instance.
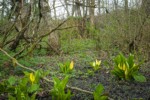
(126, 6)
(22, 19)
(91, 12)
(77, 8)
(99, 6)
(145, 9)
(54, 9)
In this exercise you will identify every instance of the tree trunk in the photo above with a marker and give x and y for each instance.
(53, 38)
(116, 4)
(145, 8)
(126, 6)
(66, 5)
(99, 6)
(73, 8)
(77, 8)
(22, 19)
(87, 8)
(54, 9)
(91, 12)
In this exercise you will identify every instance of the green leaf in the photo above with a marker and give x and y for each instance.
(134, 69)
(12, 80)
(33, 88)
(23, 82)
(99, 89)
(58, 91)
(118, 73)
(65, 68)
(139, 78)
(98, 92)
(33, 96)
(64, 82)
(68, 95)
(26, 73)
(2, 87)
(11, 97)
(56, 81)
(103, 98)
(38, 75)
(130, 60)
(18, 93)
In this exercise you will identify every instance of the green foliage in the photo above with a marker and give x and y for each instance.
(58, 91)
(3, 59)
(67, 67)
(91, 29)
(12, 80)
(75, 45)
(125, 68)
(37, 75)
(40, 52)
(98, 93)
(24, 88)
(90, 73)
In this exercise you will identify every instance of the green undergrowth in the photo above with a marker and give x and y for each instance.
(77, 45)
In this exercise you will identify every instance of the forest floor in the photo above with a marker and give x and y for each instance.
(83, 78)
(82, 75)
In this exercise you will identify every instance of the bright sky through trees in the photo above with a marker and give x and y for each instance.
(109, 4)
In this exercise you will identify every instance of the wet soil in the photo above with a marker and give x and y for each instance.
(115, 89)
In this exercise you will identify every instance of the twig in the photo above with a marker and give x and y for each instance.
(67, 27)
(16, 60)
(44, 35)
(46, 79)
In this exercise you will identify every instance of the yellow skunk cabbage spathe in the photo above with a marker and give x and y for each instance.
(71, 65)
(122, 67)
(94, 64)
(98, 62)
(32, 77)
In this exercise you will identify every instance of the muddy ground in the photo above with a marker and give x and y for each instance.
(115, 89)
